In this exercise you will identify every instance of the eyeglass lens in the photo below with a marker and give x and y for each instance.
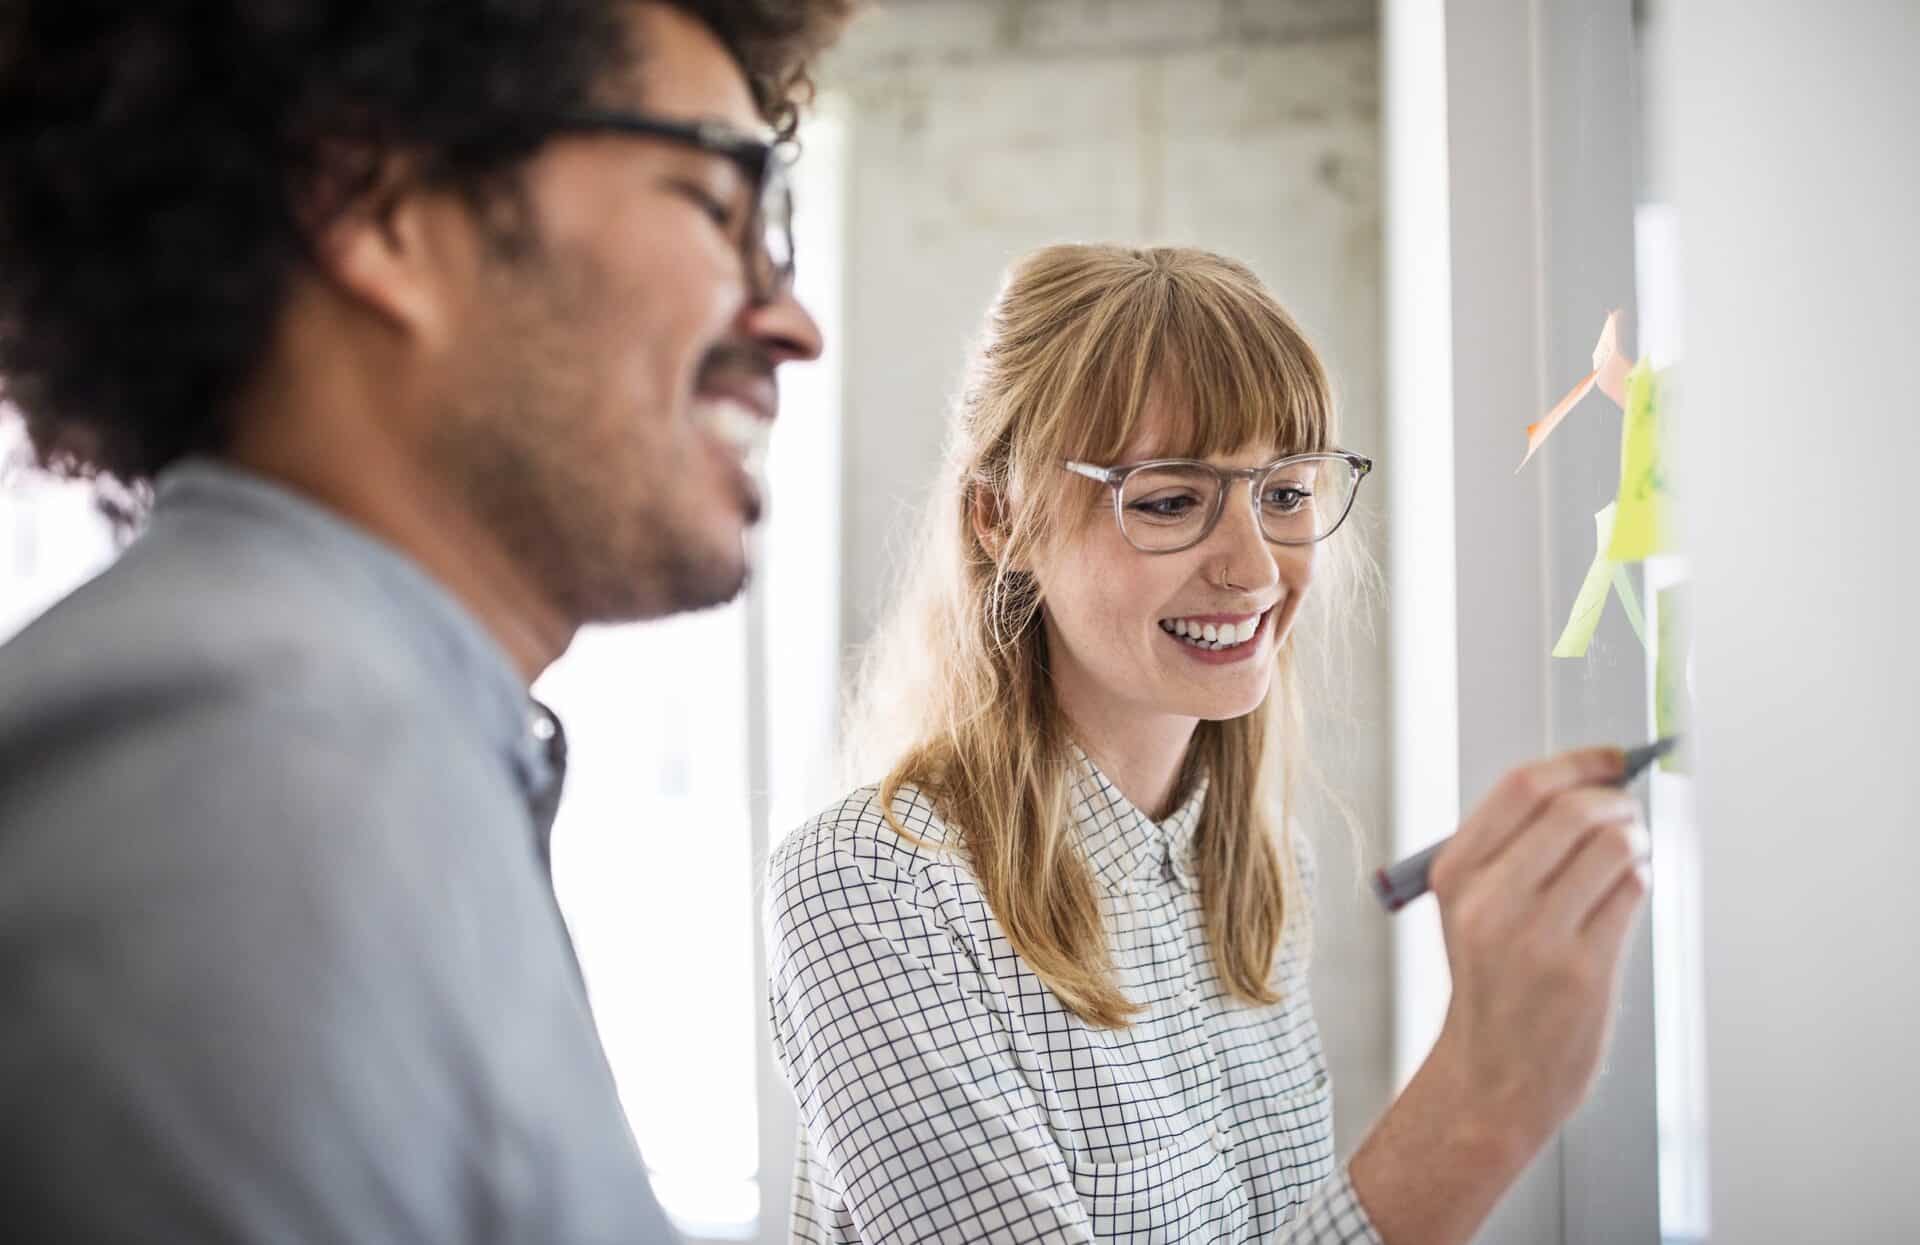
(772, 234)
(1168, 508)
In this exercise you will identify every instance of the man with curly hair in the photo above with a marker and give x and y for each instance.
(429, 332)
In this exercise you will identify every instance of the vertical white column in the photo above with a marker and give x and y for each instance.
(1501, 641)
(1417, 470)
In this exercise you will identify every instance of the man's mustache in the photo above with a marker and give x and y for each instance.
(735, 359)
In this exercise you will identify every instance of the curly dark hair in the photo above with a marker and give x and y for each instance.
(160, 162)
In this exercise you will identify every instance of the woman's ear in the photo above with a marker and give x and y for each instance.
(987, 511)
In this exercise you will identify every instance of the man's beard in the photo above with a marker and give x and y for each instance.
(571, 502)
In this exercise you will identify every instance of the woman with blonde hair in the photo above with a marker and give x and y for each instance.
(1047, 980)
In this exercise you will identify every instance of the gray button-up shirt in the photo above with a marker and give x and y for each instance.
(279, 955)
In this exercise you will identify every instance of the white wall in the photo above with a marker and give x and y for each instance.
(981, 130)
(1796, 169)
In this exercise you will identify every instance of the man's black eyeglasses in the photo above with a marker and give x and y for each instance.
(766, 245)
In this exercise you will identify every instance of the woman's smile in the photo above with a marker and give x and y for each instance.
(1218, 639)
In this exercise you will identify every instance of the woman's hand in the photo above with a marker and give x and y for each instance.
(1538, 892)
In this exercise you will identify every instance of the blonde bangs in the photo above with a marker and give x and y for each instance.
(1199, 333)
(1239, 372)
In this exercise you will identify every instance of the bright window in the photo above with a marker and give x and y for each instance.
(1679, 990)
(53, 537)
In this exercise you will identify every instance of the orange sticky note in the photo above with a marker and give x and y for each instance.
(1609, 374)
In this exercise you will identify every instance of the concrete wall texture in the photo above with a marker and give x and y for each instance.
(979, 130)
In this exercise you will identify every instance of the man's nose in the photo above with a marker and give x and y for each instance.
(783, 328)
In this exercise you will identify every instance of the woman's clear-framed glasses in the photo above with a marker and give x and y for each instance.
(1170, 504)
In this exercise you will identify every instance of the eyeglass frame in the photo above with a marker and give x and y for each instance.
(766, 170)
(1116, 479)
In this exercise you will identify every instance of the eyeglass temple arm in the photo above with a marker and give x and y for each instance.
(1105, 475)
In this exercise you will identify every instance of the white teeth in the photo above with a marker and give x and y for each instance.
(1211, 636)
(737, 425)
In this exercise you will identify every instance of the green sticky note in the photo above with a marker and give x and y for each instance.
(1643, 526)
(1592, 601)
(1672, 650)
(1630, 602)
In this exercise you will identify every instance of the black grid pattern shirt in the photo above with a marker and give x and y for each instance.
(946, 1095)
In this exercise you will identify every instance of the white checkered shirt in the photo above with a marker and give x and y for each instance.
(946, 1095)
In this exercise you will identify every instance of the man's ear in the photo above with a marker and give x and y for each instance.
(401, 251)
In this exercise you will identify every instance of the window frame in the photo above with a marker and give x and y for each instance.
(1538, 191)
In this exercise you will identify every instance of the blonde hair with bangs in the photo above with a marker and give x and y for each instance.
(954, 696)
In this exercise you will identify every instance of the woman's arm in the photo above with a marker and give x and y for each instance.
(1538, 893)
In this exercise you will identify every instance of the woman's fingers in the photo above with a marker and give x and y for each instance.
(1607, 924)
(1536, 903)
(1604, 854)
(1516, 801)
(1570, 822)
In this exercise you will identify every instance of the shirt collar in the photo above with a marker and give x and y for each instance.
(1123, 846)
(471, 669)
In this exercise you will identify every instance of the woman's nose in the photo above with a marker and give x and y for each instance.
(1244, 557)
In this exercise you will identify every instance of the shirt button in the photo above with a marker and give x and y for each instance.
(542, 727)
